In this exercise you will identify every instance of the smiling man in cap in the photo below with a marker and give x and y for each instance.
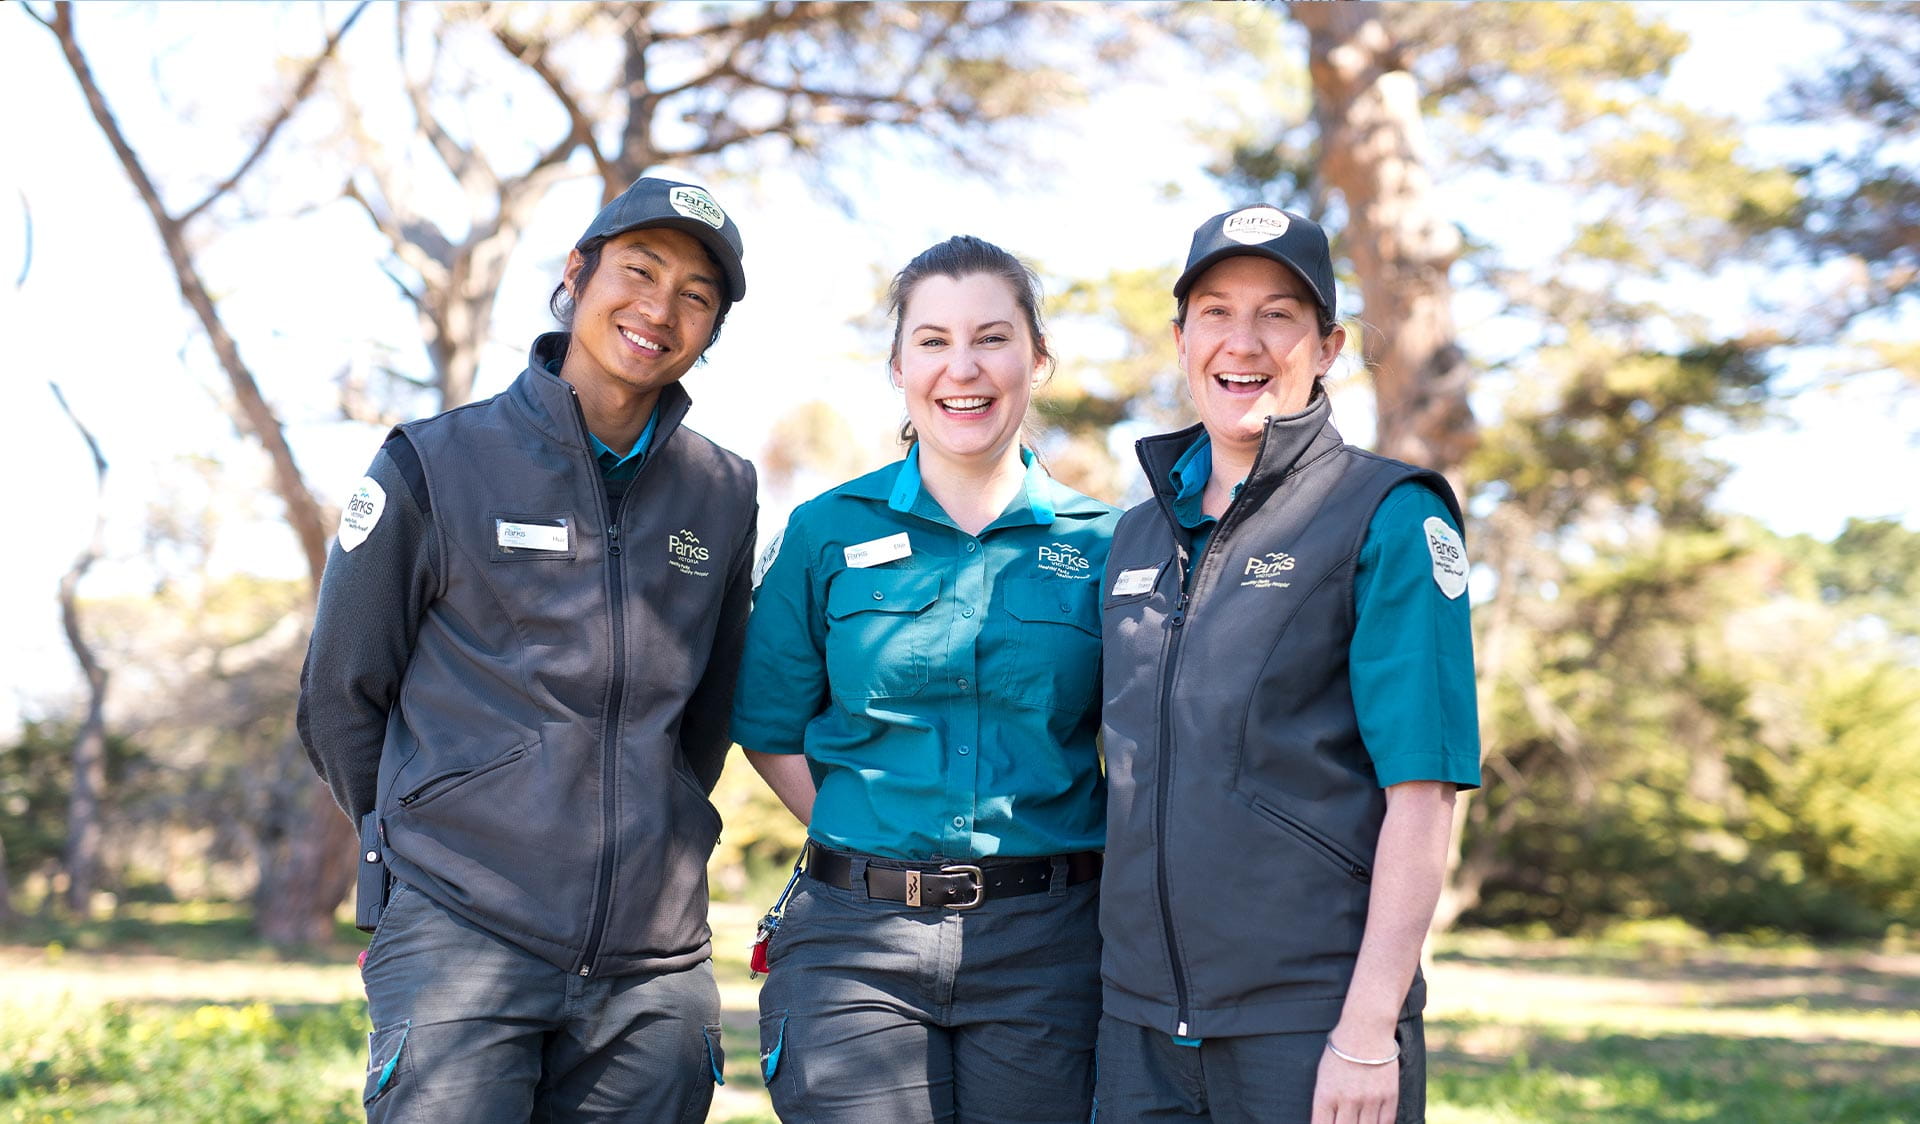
(518, 686)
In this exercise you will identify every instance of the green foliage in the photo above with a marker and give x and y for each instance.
(238, 1064)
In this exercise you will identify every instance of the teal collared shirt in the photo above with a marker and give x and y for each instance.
(1411, 657)
(618, 469)
(944, 686)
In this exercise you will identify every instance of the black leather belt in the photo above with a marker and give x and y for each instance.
(949, 885)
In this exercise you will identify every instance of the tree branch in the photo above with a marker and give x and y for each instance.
(303, 513)
(300, 92)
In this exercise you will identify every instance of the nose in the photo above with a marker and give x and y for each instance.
(965, 365)
(1242, 339)
(655, 304)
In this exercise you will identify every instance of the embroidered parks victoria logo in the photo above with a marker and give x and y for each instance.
(1264, 572)
(1066, 561)
(685, 554)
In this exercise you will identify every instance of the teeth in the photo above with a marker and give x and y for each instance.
(1244, 380)
(638, 342)
(965, 403)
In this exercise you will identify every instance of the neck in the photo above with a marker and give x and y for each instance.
(973, 491)
(615, 412)
(1231, 464)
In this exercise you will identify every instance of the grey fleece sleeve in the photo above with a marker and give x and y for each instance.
(703, 729)
(380, 577)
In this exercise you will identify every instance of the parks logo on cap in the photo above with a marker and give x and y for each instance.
(1265, 231)
(1255, 224)
(695, 203)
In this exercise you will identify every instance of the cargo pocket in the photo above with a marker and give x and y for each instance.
(773, 1037)
(387, 1060)
(716, 1058)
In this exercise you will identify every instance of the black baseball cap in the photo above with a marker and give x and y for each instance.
(1266, 231)
(682, 206)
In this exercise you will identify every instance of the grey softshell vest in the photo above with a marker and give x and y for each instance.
(534, 777)
(1243, 810)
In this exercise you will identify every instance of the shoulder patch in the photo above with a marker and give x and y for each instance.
(361, 513)
(765, 562)
(1449, 556)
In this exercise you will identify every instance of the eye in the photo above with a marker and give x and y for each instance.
(640, 270)
(698, 298)
(993, 339)
(931, 341)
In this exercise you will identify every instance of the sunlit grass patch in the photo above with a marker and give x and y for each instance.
(1551, 1075)
(238, 1064)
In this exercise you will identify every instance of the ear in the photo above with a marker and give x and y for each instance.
(574, 262)
(1180, 347)
(893, 373)
(1330, 348)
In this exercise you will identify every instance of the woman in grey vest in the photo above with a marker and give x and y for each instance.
(1288, 712)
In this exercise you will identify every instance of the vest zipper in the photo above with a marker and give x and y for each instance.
(1189, 587)
(1162, 797)
(610, 736)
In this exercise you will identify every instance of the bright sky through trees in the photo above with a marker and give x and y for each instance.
(1120, 187)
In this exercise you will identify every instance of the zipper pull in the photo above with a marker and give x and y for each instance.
(1179, 616)
(613, 538)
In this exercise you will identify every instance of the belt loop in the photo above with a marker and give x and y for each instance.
(1057, 885)
(857, 879)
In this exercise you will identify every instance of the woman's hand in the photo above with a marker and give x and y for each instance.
(1347, 1092)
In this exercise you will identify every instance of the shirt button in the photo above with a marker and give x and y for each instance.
(1065, 608)
(968, 611)
(972, 546)
(963, 751)
(963, 684)
(959, 821)
(879, 596)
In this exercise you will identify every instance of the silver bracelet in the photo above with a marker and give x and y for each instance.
(1346, 1057)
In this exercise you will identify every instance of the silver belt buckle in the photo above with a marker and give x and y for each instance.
(979, 885)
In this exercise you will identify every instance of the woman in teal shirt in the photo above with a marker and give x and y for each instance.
(919, 687)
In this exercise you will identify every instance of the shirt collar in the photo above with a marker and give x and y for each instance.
(1189, 477)
(1034, 505)
(610, 460)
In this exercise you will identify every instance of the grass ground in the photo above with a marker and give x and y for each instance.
(175, 1014)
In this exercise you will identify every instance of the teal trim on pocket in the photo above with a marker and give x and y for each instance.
(716, 1057)
(770, 1055)
(392, 1038)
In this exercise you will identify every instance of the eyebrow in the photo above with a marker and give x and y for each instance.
(643, 248)
(1294, 297)
(923, 327)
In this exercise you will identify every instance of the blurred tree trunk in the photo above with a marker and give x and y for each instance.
(82, 857)
(298, 893)
(6, 891)
(1373, 150)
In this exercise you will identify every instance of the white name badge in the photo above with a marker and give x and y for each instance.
(875, 551)
(530, 536)
(1131, 582)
